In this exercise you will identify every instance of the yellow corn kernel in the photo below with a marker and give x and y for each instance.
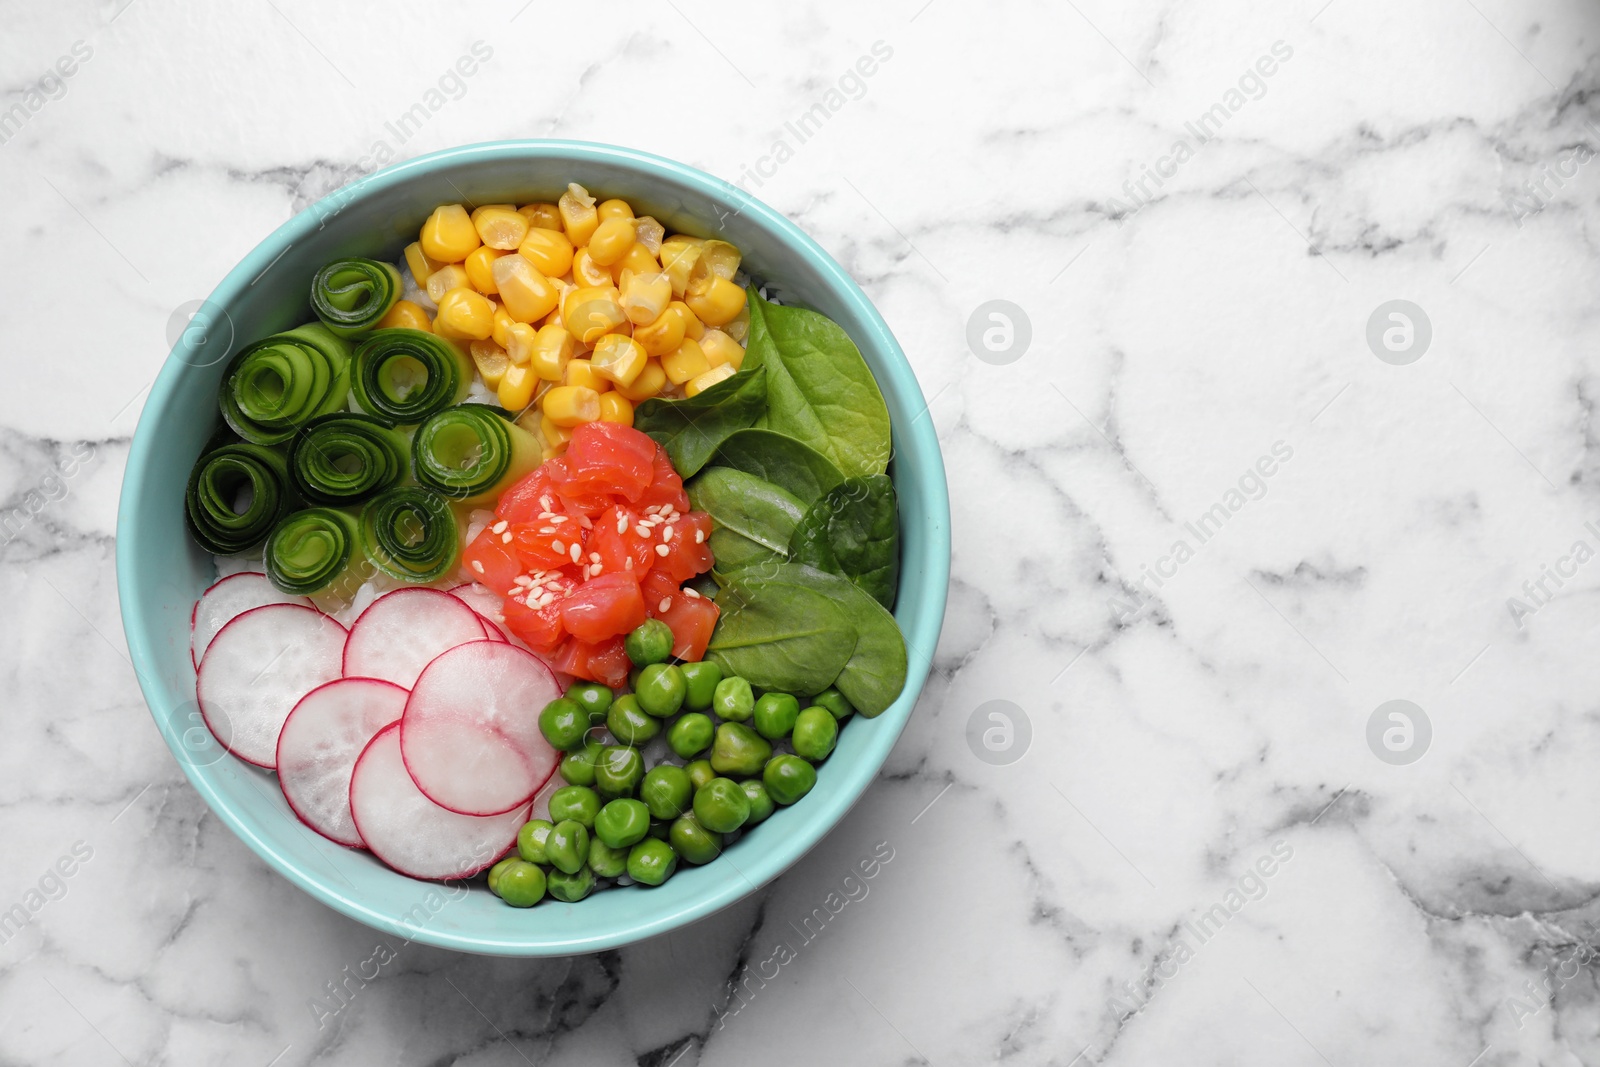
(611, 240)
(491, 361)
(614, 407)
(585, 271)
(449, 235)
(555, 436)
(553, 349)
(614, 209)
(645, 296)
(739, 327)
(714, 299)
(667, 332)
(422, 265)
(527, 294)
(638, 261)
(405, 314)
(581, 374)
(571, 405)
(591, 312)
(721, 257)
(500, 226)
(502, 327)
(541, 216)
(464, 315)
(448, 277)
(481, 208)
(647, 384)
(548, 250)
(679, 254)
(516, 387)
(649, 233)
(696, 386)
(479, 266)
(520, 342)
(618, 358)
(689, 361)
(578, 216)
(721, 349)
(696, 329)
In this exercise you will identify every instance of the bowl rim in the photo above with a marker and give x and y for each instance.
(921, 634)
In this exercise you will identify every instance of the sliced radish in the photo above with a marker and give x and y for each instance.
(227, 600)
(487, 603)
(411, 833)
(403, 631)
(320, 743)
(470, 731)
(256, 670)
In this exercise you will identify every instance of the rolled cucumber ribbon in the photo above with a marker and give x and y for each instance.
(342, 459)
(405, 375)
(411, 533)
(315, 553)
(277, 385)
(472, 453)
(351, 296)
(236, 494)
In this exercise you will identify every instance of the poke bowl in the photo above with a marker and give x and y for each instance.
(332, 711)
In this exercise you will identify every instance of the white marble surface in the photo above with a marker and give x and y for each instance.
(1176, 339)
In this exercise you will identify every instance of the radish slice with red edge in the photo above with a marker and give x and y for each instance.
(411, 833)
(488, 605)
(318, 747)
(256, 670)
(227, 600)
(402, 632)
(470, 732)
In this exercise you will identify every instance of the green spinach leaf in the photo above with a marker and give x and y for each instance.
(691, 429)
(875, 672)
(781, 635)
(747, 505)
(818, 388)
(853, 531)
(791, 465)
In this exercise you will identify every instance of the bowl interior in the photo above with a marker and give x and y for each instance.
(161, 571)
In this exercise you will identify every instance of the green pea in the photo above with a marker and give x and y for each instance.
(660, 829)
(761, 804)
(775, 715)
(576, 802)
(633, 678)
(567, 847)
(835, 702)
(720, 805)
(571, 887)
(617, 770)
(563, 723)
(661, 689)
(700, 772)
(733, 701)
(651, 861)
(702, 680)
(788, 778)
(666, 791)
(628, 723)
(650, 642)
(739, 751)
(592, 697)
(815, 731)
(494, 872)
(577, 767)
(521, 884)
(622, 823)
(694, 842)
(531, 840)
(605, 861)
(690, 735)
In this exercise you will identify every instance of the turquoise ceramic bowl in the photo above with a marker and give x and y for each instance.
(160, 571)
